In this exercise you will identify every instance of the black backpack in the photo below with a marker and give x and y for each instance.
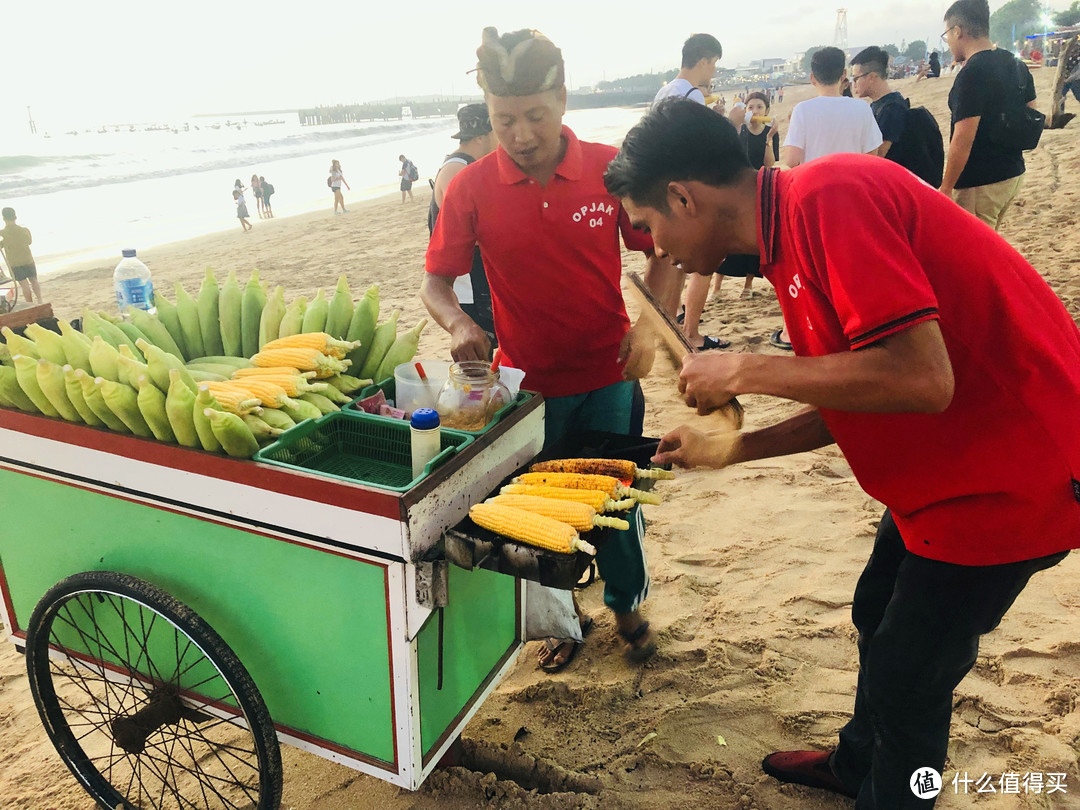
(920, 149)
(413, 172)
(1018, 127)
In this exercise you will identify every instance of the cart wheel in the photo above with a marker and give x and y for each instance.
(146, 704)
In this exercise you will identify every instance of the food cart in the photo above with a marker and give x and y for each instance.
(182, 612)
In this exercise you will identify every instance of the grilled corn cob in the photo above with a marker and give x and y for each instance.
(579, 515)
(313, 340)
(612, 486)
(598, 500)
(528, 527)
(615, 467)
(302, 359)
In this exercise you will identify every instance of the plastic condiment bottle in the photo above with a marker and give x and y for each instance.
(132, 283)
(426, 438)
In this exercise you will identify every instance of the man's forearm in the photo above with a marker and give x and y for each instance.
(441, 301)
(801, 433)
(959, 152)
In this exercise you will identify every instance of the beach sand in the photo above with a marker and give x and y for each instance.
(753, 570)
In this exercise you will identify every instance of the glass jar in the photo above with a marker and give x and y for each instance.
(471, 396)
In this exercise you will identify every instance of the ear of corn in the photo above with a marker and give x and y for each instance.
(302, 359)
(75, 394)
(232, 434)
(48, 343)
(298, 410)
(230, 312)
(277, 419)
(206, 376)
(17, 344)
(570, 481)
(166, 312)
(319, 401)
(346, 383)
(362, 326)
(179, 409)
(158, 364)
(222, 360)
(381, 341)
(187, 311)
(251, 308)
(134, 335)
(128, 369)
(5, 356)
(402, 350)
(277, 371)
(26, 374)
(151, 404)
(293, 384)
(96, 402)
(209, 314)
(272, 314)
(293, 321)
(315, 315)
(124, 403)
(579, 515)
(527, 527)
(76, 345)
(205, 401)
(321, 341)
(50, 379)
(221, 369)
(593, 497)
(339, 313)
(333, 394)
(615, 467)
(12, 391)
(259, 429)
(234, 400)
(154, 330)
(623, 491)
(94, 324)
(103, 359)
(269, 394)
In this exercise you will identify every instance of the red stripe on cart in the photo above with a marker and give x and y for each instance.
(312, 487)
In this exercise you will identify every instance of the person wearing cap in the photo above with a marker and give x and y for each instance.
(549, 233)
(476, 140)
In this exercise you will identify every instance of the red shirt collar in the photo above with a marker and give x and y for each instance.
(768, 213)
(569, 167)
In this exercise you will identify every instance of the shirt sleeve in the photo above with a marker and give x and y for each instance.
(891, 122)
(632, 238)
(872, 278)
(871, 134)
(796, 136)
(972, 93)
(450, 251)
(1029, 84)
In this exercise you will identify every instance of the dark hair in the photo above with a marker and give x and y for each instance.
(677, 140)
(8, 213)
(827, 65)
(520, 63)
(874, 60)
(698, 47)
(758, 95)
(971, 15)
(934, 58)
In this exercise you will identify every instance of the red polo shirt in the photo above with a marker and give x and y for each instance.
(858, 249)
(553, 261)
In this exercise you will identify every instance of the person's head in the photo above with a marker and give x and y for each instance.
(700, 53)
(757, 104)
(827, 67)
(967, 27)
(238, 182)
(935, 58)
(254, 178)
(870, 73)
(682, 174)
(523, 79)
(8, 214)
(262, 179)
(335, 165)
(402, 158)
(474, 128)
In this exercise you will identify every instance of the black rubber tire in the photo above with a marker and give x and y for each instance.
(106, 584)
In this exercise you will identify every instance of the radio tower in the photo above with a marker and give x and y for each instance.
(840, 35)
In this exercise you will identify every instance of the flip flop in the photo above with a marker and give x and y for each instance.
(588, 578)
(708, 343)
(636, 655)
(553, 644)
(775, 340)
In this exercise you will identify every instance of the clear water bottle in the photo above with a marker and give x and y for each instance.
(132, 284)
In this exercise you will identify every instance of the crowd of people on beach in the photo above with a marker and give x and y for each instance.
(950, 390)
(262, 191)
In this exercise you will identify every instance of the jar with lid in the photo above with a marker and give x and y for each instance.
(471, 396)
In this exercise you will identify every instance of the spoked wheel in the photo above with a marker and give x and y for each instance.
(145, 703)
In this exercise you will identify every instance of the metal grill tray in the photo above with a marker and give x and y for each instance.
(470, 546)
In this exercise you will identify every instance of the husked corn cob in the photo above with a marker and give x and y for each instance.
(268, 392)
(234, 400)
(529, 527)
(303, 359)
(325, 343)
(612, 486)
(619, 468)
(598, 500)
(293, 383)
(579, 515)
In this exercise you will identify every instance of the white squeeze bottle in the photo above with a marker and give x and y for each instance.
(132, 283)
(426, 438)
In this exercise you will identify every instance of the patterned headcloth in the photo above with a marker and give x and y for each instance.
(520, 63)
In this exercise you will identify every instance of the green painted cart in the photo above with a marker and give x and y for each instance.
(182, 613)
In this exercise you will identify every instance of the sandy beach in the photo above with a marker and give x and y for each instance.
(753, 570)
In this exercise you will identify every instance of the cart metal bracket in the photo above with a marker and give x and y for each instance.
(432, 575)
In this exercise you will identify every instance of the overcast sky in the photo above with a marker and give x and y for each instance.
(140, 60)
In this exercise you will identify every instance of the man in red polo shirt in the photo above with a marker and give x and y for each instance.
(939, 361)
(548, 232)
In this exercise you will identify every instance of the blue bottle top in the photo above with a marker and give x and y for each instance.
(424, 419)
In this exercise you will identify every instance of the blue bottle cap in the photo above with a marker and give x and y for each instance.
(424, 419)
(128, 253)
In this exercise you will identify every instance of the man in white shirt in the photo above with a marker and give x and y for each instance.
(831, 122)
(700, 53)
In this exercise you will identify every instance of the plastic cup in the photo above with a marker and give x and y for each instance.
(410, 392)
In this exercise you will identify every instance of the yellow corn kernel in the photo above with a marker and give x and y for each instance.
(292, 384)
(527, 527)
(320, 341)
(568, 480)
(302, 359)
(233, 400)
(593, 497)
(615, 467)
(268, 392)
(579, 515)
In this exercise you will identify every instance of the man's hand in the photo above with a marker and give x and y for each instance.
(708, 379)
(468, 341)
(637, 352)
(686, 447)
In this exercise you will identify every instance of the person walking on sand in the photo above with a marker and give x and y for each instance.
(408, 175)
(15, 241)
(336, 180)
(985, 174)
(256, 190)
(267, 192)
(241, 211)
(951, 391)
(550, 236)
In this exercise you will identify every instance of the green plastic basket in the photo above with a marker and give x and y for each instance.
(389, 389)
(357, 447)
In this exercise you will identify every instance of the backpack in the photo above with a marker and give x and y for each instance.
(920, 149)
(413, 172)
(267, 190)
(330, 182)
(1018, 127)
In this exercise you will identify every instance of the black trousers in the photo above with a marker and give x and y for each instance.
(919, 624)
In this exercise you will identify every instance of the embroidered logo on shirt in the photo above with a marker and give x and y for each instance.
(594, 214)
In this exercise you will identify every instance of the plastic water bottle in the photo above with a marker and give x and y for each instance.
(426, 438)
(132, 284)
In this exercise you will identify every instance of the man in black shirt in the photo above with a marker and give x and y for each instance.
(869, 79)
(985, 175)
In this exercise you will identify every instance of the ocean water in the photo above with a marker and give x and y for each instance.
(86, 194)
